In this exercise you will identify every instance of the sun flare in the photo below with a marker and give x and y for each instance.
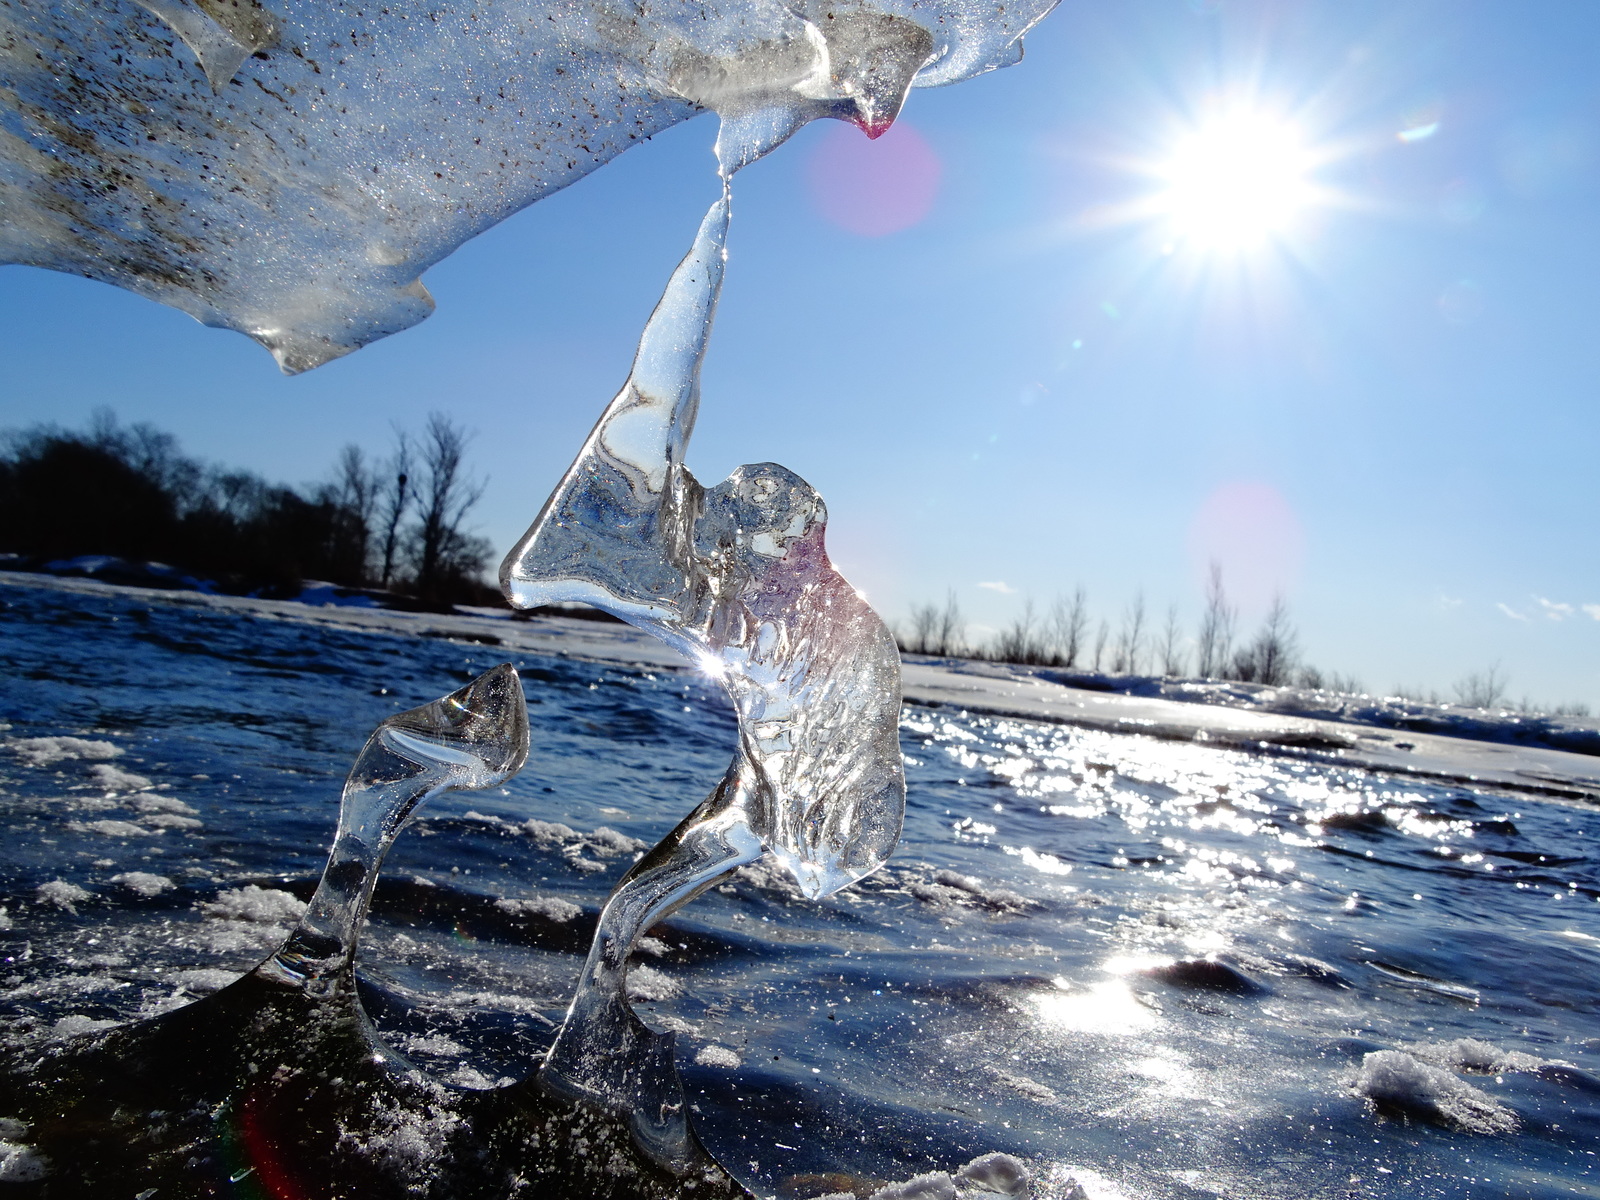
(1236, 182)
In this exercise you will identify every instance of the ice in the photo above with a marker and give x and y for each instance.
(475, 737)
(257, 905)
(1395, 1080)
(46, 751)
(21, 1164)
(737, 579)
(114, 779)
(290, 170)
(935, 1185)
(718, 1056)
(1000, 1173)
(144, 883)
(58, 893)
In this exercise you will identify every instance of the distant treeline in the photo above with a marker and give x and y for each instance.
(392, 522)
(1068, 636)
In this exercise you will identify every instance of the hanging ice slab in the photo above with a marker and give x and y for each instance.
(290, 170)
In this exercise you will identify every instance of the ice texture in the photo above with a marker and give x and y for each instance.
(289, 170)
(735, 577)
(475, 737)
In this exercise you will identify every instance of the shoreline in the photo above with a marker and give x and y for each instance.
(984, 688)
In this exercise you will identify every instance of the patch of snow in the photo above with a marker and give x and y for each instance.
(58, 893)
(647, 983)
(22, 1164)
(168, 820)
(1000, 1173)
(718, 1056)
(44, 751)
(1398, 1080)
(143, 883)
(76, 1026)
(114, 779)
(164, 804)
(549, 907)
(258, 905)
(110, 828)
(202, 980)
(935, 1185)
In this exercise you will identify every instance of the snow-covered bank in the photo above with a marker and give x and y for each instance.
(1282, 722)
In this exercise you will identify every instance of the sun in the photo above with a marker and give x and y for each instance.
(1235, 182)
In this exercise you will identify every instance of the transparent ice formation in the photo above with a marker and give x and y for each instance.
(473, 738)
(737, 578)
(290, 169)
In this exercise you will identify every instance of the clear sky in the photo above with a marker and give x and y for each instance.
(1308, 287)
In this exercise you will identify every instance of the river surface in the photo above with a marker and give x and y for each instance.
(1147, 968)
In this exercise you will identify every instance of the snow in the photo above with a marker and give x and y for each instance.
(46, 751)
(114, 779)
(257, 905)
(718, 1056)
(58, 893)
(21, 1164)
(143, 883)
(549, 907)
(1397, 1080)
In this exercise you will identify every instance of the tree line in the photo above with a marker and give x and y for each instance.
(394, 521)
(1067, 635)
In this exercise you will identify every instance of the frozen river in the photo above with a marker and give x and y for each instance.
(1149, 968)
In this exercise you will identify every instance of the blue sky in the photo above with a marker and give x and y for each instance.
(1013, 372)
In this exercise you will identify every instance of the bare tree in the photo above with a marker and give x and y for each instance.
(1482, 689)
(1100, 643)
(924, 629)
(445, 494)
(1130, 643)
(952, 627)
(1216, 627)
(1270, 658)
(354, 492)
(393, 503)
(1019, 642)
(1171, 651)
(1069, 621)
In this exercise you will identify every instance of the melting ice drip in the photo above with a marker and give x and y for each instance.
(473, 738)
(735, 577)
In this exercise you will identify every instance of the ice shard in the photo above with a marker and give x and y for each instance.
(737, 578)
(473, 738)
(289, 169)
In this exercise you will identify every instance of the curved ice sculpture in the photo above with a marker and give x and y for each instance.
(476, 737)
(278, 1085)
(737, 578)
(289, 169)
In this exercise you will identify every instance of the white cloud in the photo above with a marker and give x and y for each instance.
(1450, 602)
(1555, 610)
(1511, 612)
(1001, 586)
(1593, 610)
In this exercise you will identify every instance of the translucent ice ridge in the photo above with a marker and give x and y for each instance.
(737, 578)
(290, 169)
(476, 737)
